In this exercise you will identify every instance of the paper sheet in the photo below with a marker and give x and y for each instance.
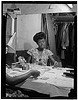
(55, 77)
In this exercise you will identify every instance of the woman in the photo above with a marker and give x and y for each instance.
(41, 55)
(12, 81)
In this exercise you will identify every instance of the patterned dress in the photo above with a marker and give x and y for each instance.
(40, 59)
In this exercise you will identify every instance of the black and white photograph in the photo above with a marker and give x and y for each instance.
(39, 49)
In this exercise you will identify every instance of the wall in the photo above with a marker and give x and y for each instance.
(27, 26)
(38, 8)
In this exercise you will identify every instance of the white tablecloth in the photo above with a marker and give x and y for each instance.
(51, 81)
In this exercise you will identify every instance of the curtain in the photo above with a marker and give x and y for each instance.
(51, 33)
(44, 29)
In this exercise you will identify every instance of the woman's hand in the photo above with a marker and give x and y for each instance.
(55, 64)
(35, 73)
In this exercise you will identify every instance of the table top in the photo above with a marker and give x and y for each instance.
(48, 74)
(51, 81)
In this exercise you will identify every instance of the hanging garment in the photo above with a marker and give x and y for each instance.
(65, 40)
(55, 28)
(72, 39)
(51, 35)
(59, 38)
(44, 29)
(73, 46)
(62, 54)
(71, 50)
(65, 37)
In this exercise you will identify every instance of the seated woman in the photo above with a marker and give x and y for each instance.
(41, 55)
(12, 81)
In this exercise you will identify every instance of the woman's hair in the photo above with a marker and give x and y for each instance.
(38, 36)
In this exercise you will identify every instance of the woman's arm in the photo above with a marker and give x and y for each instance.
(29, 59)
(54, 61)
(18, 79)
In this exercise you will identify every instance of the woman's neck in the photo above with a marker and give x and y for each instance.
(40, 49)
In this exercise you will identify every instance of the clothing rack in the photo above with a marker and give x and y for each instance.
(69, 19)
(63, 22)
(66, 55)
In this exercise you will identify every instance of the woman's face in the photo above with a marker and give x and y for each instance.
(42, 43)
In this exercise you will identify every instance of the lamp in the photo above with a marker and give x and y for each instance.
(12, 44)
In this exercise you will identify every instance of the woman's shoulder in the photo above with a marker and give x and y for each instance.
(49, 52)
(31, 51)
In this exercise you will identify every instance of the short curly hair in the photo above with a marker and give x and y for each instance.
(38, 36)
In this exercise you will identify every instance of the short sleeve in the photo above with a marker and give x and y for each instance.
(49, 53)
(30, 52)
